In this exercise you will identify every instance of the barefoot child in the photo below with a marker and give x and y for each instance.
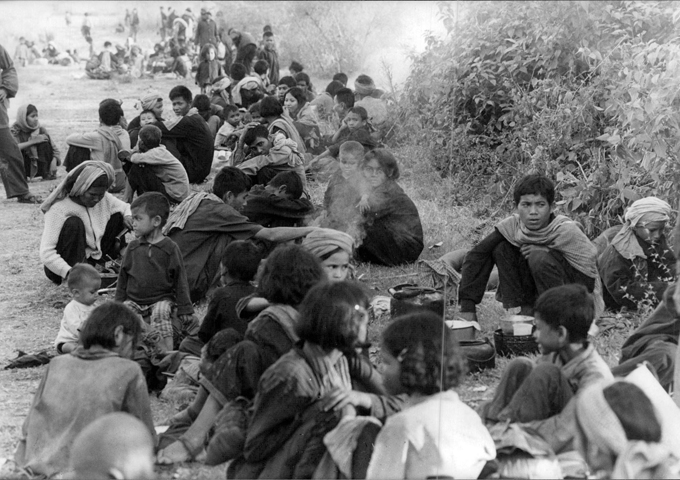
(83, 282)
(436, 435)
(152, 279)
(81, 387)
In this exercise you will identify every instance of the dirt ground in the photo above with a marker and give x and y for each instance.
(32, 307)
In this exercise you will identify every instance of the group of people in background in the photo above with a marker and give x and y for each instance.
(282, 383)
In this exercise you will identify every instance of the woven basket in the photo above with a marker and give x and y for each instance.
(509, 346)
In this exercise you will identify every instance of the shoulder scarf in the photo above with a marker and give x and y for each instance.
(85, 173)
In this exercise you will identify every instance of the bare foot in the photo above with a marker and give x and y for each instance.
(173, 453)
(468, 316)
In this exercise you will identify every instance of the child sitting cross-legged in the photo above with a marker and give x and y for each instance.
(239, 265)
(279, 204)
(78, 388)
(83, 282)
(150, 167)
(540, 395)
(436, 435)
(152, 278)
(355, 127)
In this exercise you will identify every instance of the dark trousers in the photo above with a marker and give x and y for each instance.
(245, 56)
(522, 281)
(72, 243)
(142, 179)
(659, 355)
(12, 166)
(528, 392)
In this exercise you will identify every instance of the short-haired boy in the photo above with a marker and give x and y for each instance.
(270, 54)
(152, 168)
(152, 279)
(285, 84)
(341, 77)
(343, 101)
(534, 250)
(83, 282)
(540, 394)
(279, 203)
(227, 134)
(238, 265)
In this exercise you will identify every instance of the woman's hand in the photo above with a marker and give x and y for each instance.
(40, 138)
(339, 398)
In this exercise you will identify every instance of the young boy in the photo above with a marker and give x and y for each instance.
(209, 112)
(534, 251)
(295, 68)
(354, 127)
(226, 136)
(343, 101)
(305, 84)
(540, 395)
(116, 445)
(270, 54)
(152, 168)
(344, 190)
(261, 69)
(83, 283)
(279, 203)
(147, 117)
(268, 155)
(341, 77)
(238, 265)
(152, 280)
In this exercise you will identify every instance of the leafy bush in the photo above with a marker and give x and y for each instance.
(585, 92)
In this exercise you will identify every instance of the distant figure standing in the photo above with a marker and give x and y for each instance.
(270, 54)
(86, 29)
(206, 30)
(134, 24)
(67, 17)
(127, 17)
(11, 160)
(164, 23)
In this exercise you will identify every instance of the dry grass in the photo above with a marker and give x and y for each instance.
(31, 307)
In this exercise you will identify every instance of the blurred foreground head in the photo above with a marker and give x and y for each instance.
(117, 446)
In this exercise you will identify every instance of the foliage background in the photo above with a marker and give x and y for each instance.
(585, 92)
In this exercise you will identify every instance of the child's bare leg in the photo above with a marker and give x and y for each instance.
(68, 347)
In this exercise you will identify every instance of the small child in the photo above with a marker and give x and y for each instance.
(152, 278)
(541, 395)
(354, 127)
(345, 189)
(279, 204)
(78, 388)
(261, 69)
(117, 445)
(202, 104)
(436, 435)
(268, 155)
(83, 282)
(209, 69)
(227, 136)
(334, 249)
(295, 68)
(152, 168)
(239, 265)
(147, 117)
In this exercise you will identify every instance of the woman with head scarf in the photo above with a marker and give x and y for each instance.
(638, 265)
(620, 434)
(41, 155)
(82, 221)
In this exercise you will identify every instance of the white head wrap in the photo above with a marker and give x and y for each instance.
(640, 213)
(86, 173)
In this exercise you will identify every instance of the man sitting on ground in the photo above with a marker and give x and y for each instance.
(534, 250)
(279, 203)
(204, 224)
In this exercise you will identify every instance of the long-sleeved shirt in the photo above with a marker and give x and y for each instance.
(76, 390)
(10, 82)
(222, 310)
(94, 219)
(206, 32)
(152, 272)
(168, 169)
(272, 57)
(75, 315)
(104, 148)
(194, 145)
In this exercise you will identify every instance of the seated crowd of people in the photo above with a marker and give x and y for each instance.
(276, 375)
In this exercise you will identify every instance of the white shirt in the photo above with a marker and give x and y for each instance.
(75, 314)
(440, 436)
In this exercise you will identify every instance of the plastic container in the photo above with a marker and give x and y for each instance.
(516, 325)
(462, 330)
